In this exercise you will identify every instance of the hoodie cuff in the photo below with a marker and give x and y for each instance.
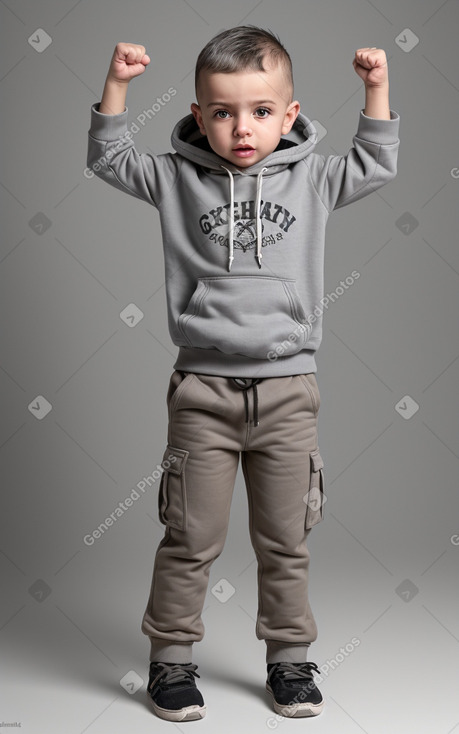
(107, 127)
(382, 132)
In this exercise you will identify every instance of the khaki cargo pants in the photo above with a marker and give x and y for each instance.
(213, 420)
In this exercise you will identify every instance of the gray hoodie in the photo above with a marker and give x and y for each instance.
(244, 250)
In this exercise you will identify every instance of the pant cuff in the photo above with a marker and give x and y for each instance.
(284, 652)
(167, 652)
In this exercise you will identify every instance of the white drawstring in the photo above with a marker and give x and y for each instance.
(231, 218)
(257, 208)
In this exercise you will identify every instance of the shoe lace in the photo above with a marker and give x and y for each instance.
(176, 673)
(291, 671)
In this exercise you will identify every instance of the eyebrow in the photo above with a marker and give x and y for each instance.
(252, 104)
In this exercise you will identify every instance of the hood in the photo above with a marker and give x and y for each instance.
(189, 142)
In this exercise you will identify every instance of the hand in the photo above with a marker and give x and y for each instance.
(128, 61)
(371, 66)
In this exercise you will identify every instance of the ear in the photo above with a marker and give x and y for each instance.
(291, 113)
(196, 111)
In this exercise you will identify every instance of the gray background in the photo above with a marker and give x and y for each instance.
(75, 252)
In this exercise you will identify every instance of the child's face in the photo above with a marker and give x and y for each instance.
(246, 108)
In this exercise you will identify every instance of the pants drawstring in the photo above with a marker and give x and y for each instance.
(244, 384)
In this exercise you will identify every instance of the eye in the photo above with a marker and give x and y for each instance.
(263, 112)
(221, 114)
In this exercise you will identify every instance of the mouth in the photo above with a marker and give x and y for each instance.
(243, 151)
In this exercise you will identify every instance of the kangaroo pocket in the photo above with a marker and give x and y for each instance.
(260, 317)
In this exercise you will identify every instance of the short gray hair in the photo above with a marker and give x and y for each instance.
(242, 48)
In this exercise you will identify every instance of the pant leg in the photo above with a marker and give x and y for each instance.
(194, 504)
(278, 473)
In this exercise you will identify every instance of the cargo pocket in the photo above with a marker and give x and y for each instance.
(172, 501)
(315, 497)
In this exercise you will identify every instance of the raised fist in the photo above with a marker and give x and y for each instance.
(371, 66)
(128, 60)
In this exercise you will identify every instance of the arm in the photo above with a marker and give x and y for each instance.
(372, 160)
(128, 60)
(112, 155)
(113, 97)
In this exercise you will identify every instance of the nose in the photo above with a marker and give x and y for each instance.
(242, 127)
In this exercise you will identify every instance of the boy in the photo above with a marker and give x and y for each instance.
(243, 205)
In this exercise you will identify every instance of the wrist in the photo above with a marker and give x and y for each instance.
(113, 100)
(377, 88)
(116, 83)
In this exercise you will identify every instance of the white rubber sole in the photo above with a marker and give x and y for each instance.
(188, 713)
(296, 710)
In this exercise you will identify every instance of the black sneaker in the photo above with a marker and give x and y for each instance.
(293, 690)
(173, 693)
